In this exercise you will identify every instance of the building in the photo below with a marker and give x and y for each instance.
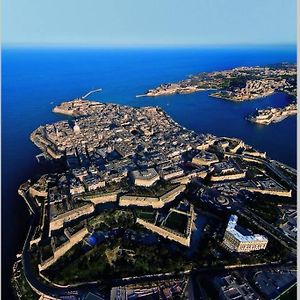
(145, 178)
(232, 286)
(93, 182)
(76, 128)
(227, 170)
(273, 282)
(205, 158)
(240, 240)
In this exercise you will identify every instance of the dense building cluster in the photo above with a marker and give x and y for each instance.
(110, 149)
(142, 159)
(238, 84)
(273, 115)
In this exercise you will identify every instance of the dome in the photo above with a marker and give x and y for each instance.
(76, 128)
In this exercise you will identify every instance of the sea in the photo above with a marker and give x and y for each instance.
(34, 80)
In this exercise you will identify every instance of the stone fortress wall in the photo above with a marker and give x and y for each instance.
(60, 251)
(59, 221)
(155, 202)
(168, 234)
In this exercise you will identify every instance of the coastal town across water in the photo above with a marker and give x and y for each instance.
(241, 84)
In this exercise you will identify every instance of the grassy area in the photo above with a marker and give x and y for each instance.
(177, 222)
(112, 255)
(105, 262)
(110, 187)
(159, 189)
(290, 294)
(253, 172)
(111, 219)
(147, 215)
(76, 266)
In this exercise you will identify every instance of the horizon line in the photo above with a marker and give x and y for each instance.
(144, 46)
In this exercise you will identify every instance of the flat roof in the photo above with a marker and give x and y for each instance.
(231, 227)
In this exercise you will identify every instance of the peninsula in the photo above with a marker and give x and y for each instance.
(238, 84)
(130, 194)
(273, 115)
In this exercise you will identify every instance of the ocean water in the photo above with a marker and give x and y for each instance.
(34, 80)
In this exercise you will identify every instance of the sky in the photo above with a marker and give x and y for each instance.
(148, 22)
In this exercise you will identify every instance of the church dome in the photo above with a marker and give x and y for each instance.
(76, 128)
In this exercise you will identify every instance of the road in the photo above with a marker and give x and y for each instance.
(277, 234)
(270, 165)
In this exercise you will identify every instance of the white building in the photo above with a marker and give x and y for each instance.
(76, 128)
(238, 241)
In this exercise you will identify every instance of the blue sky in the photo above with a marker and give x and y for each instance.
(148, 22)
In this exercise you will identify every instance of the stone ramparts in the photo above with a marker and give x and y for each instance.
(59, 252)
(108, 197)
(155, 202)
(281, 193)
(71, 215)
(228, 177)
(168, 234)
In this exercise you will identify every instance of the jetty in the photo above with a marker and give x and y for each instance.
(91, 92)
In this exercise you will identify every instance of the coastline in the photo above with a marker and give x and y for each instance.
(240, 101)
(32, 114)
(237, 84)
(176, 93)
(24, 189)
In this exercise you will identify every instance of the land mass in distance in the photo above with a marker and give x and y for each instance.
(238, 84)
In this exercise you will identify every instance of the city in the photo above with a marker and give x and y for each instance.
(238, 84)
(149, 150)
(138, 205)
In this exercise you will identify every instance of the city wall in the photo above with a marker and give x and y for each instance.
(155, 202)
(108, 197)
(171, 235)
(282, 193)
(59, 252)
(59, 221)
(228, 177)
(34, 192)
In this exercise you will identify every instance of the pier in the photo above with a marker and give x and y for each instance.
(91, 92)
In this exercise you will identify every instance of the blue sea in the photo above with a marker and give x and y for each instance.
(34, 80)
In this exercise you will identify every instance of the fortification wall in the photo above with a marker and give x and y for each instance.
(165, 233)
(59, 221)
(33, 192)
(282, 193)
(140, 201)
(256, 154)
(63, 111)
(155, 202)
(228, 177)
(171, 195)
(109, 197)
(59, 252)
